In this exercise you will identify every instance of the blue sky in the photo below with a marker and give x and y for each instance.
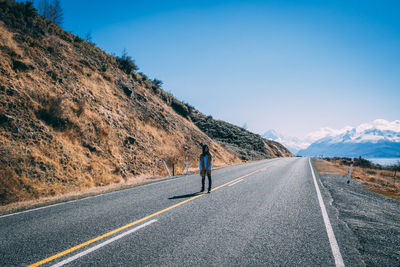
(292, 66)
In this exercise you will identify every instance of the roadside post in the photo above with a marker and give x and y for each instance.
(187, 165)
(350, 170)
(187, 159)
(166, 167)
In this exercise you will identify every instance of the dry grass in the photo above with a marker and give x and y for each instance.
(6, 40)
(379, 181)
(71, 120)
(77, 194)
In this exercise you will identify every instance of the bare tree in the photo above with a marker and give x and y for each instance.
(51, 10)
(57, 14)
(88, 36)
(43, 8)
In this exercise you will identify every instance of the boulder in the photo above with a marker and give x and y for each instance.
(5, 118)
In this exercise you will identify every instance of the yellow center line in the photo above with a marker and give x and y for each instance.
(60, 254)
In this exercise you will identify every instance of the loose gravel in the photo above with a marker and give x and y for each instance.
(374, 219)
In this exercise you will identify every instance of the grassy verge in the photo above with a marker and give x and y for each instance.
(378, 180)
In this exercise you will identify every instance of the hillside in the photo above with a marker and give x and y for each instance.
(246, 145)
(73, 117)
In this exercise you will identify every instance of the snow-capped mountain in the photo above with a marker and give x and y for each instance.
(380, 138)
(294, 144)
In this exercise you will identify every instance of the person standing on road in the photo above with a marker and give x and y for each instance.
(205, 167)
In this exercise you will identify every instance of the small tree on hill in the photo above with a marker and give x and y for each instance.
(88, 37)
(51, 10)
(126, 63)
(157, 82)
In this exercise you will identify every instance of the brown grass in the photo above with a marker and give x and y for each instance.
(73, 195)
(71, 121)
(6, 39)
(379, 181)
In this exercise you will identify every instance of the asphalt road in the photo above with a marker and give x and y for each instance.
(264, 213)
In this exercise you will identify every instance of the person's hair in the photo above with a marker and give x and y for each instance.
(204, 150)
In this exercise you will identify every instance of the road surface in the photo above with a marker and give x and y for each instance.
(264, 213)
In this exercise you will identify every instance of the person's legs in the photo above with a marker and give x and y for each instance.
(202, 183)
(209, 182)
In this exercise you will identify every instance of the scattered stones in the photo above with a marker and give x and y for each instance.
(130, 140)
(12, 91)
(141, 97)
(5, 118)
(127, 90)
(21, 66)
(89, 146)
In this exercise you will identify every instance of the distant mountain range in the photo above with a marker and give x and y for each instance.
(379, 138)
(294, 144)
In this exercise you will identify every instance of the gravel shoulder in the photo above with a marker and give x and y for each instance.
(373, 220)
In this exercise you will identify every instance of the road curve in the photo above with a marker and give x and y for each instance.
(261, 213)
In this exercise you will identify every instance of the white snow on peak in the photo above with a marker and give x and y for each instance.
(375, 131)
(325, 132)
(380, 124)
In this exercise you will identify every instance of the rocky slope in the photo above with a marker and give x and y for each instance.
(73, 117)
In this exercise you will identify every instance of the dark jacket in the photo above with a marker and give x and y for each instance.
(205, 163)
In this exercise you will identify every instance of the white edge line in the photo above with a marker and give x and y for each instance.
(89, 197)
(107, 193)
(238, 181)
(90, 250)
(332, 240)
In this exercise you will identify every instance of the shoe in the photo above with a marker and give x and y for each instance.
(208, 191)
(202, 190)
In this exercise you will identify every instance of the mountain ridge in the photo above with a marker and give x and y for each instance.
(377, 139)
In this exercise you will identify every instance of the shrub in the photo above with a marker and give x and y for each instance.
(157, 82)
(126, 63)
(179, 108)
(81, 107)
(18, 65)
(189, 107)
(78, 39)
(155, 89)
(363, 163)
(143, 76)
(52, 113)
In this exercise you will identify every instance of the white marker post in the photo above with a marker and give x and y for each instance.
(350, 170)
(187, 165)
(186, 148)
(165, 165)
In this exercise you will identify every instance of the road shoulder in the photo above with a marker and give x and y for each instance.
(367, 225)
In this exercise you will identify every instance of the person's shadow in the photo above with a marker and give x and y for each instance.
(185, 196)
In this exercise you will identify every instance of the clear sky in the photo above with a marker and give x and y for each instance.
(293, 66)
